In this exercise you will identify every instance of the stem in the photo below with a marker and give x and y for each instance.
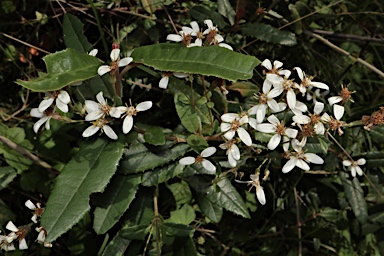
(298, 222)
(341, 147)
(156, 220)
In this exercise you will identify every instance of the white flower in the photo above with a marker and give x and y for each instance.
(255, 182)
(96, 126)
(233, 151)
(132, 111)
(96, 110)
(60, 97)
(41, 237)
(286, 85)
(354, 166)
(201, 159)
(185, 35)
(306, 82)
(212, 34)
(278, 128)
(19, 233)
(232, 124)
(165, 79)
(266, 99)
(299, 158)
(38, 211)
(313, 119)
(116, 63)
(45, 117)
(276, 68)
(6, 243)
(300, 108)
(334, 123)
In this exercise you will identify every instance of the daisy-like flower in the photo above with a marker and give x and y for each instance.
(6, 243)
(344, 96)
(185, 35)
(232, 123)
(37, 210)
(18, 233)
(285, 84)
(255, 182)
(212, 33)
(306, 82)
(165, 79)
(41, 237)
(201, 159)
(115, 64)
(354, 166)
(266, 100)
(299, 158)
(97, 110)
(276, 68)
(232, 152)
(129, 113)
(96, 126)
(277, 127)
(61, 99)
(334, 123)
(44, 116)
(313, 119)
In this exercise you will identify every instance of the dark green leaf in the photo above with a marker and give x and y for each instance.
(114, 201)
(201, 13)
(7, 174)
(374, 159)
(155, 136)
(355, 196)
(89, 171)
(210, 61)
(176, 229)
(198, 143)
(317, 145)
(138, 158)
(73, 34)
(135, 233)
(224, 7)
(63, 68)
(268, 34)
(184, 246)
(246, 89)
(377, 134)
(181, 193)
(185, 215)
(162, 174)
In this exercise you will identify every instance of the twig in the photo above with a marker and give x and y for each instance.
(298, 222)
(22, 42)
(348, 36)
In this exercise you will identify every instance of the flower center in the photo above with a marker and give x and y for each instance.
(335, 124)
(235, 125)
(315, 118)
(307, 130)
(287, 84)
(263, 99)
(280, 129)
(199, 159)
(187, 39)
(131, 111)
(345, 94)
(211, 37)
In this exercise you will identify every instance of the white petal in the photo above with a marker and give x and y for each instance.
(361, 161)
(174, 38)
(244, 120)
(91, 106)
(320, 85)
(209, 23)
(163, 84)
(274, 141)
(267, 85)
(103, 70)
(231, 160)
(180, 75)
(325, 118)
(267, 64)
(45, 104)
(334, 99)
(261, 111)
(347, 163)
(34, 218)
(260, 195)
(144, 106)
(273, 120)
(292, 133)
(115, 54)
(225, 127)
(91, 130)
(319, 128)
(127, 124)
(244, 136)
(277, 64)
(116, 112)
(187, 30)
(319, 106)
(253, 122)
(195, 26)
(275, 79)
(39, 123)
(275, 92)
(187, 160)
(358, 170)
(224, 45)
(338, 111)
(266, 128)
(100, 98)
(286, 143)
(64, 97)
(208, 152)
(229, 134)
(41, 236)
(289, 165)
(301, 106)
(229, 117)
(302, 165)
(301, 119)
(291, 99)
(30, 205)
(281, 106)
(94, 116)
(23, 244)
(93, 52)
(208, 166)
(286, 73)
(36, 113)
(353, 171)
(62, 106)
(235, 152)
(10, 226)
(47, 124)
(313, 158)
(299, 72)
(198, 42)
(109, 132)
(125, 61)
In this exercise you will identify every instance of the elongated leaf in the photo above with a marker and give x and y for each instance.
(355, 196)
(138, 158)
(210, 61)
(376, 222)
(184, 246)
(374, 159)
(89, 171)
(135, 233)
(224, 7)
(188, 116)
(160, 175)
(202, 13)
(63, 68)
(268, 34)
(73, 34)
(181, 193)
(246, 89)
(115, 201)
(176, 229)
(7, 174)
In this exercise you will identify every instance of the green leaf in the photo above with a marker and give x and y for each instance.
(224, 7)
(181, 193)
(176, 229)
(198, 143)
(202, 13)
(226, 196)
(114, 201)
(155, 136)
(135, 233)
(376, 222)
(89, 171)
(210, 61)
(377, 134)
(64, 68)
(374, 159)
(184, 246)
(355, 196)
(7, 174)
(185, 215)
(138, 158)
(317, 145)
(73, 34)
(268, 34)
(246, 89)
(160, 175)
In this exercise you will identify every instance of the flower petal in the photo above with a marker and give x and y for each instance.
(64, 97)
(301, 119)
(23, 244)
(273, 120)
(116, 112)
(187, 160)
(127, 124)
(320, 85)
(45, 104)
(289, 165)
(174, 38)
(224, 45)
(235, 152)
(291, 99)
(292, 133)
(300, 73)
(334, 99)
(62, 106)
(36, 113)
(260, 195)
(209, 166)
(208, 152)
(358, 170)
(266, 128)
(231, 160)
(338, 111)
(347, 163)
(163, 84)
(302, 165)
(109, 132)
(30, 205)
(195, 27)
(144, 106)
(94, 116)
(244, 136)
(361, 161)
(274, 141)
(101, 99)
(91, 130)
(93, 52)
(313, 158)
(267, 64)
(39, 123)
(229, 117)
(319, 106)
(229, 134)
(10, 226)
(125, 61)
(115, 54)
(225, 127)
(103, 70)
(91, 106)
